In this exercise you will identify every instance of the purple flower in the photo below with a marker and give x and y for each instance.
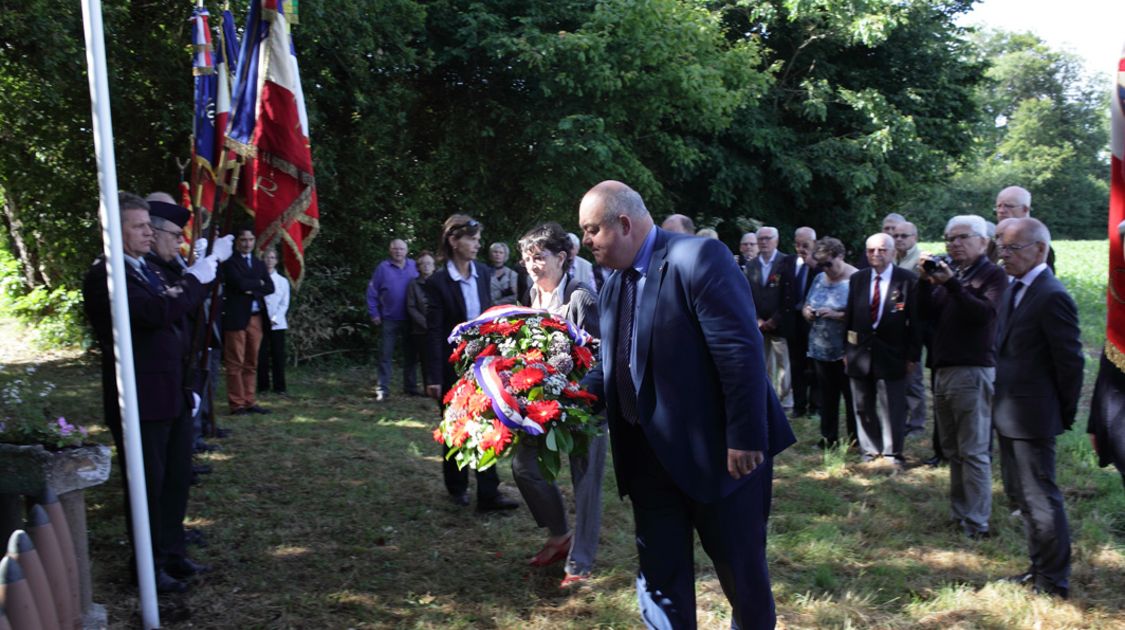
(65, 428)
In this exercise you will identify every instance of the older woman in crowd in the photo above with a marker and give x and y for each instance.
(504, 278)
(546, 254)
(824, 309)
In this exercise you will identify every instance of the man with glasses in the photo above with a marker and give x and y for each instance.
(907, 255)
(1014, 202)
(906, 246)
(960, 302)
(1038, 384)
(882, 347)
(157, 308)
(771, 277)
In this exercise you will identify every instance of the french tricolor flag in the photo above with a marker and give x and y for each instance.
(1115, 324)
(269, 128)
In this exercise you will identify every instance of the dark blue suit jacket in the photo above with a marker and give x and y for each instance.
(703, 386)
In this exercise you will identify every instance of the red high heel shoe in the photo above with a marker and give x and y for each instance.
(552, 553)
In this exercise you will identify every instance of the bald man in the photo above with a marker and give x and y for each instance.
(681, 364)
(679, 223)
(1038, 386)
(883, 347)
(386, 304)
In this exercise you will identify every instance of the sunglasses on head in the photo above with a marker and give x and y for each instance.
(471, 224)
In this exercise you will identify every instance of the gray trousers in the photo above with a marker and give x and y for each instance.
(963, 406)
(546, 502)
(916, 399)
(880, 415)
(1032, 464)
(777, 367)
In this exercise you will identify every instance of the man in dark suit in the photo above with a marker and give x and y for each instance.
(157, 308)
(804, 379)
(457, 292)
(771, 283)
(693, 422)
(1038, 383)
(882, 347)
(246, 283)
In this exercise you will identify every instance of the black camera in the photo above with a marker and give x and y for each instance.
(931, 265)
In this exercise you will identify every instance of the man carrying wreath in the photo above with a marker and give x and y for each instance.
(694, 424)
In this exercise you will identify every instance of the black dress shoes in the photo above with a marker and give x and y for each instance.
(222, 433)
(497, 503)
(201, 469)
(257, 409)
(461, 499)
(184, 568)
(167, 584)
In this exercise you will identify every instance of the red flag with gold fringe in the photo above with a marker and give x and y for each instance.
(269, 128)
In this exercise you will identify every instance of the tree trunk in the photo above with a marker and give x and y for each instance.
(29, 261)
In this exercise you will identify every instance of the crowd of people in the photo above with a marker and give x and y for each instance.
(698, 347)
(188, 310)
(998, 332)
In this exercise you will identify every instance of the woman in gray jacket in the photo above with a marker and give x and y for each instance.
(546, 255)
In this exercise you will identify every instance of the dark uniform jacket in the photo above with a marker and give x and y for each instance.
(157, 322)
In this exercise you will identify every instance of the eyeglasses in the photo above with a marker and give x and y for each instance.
(905, 236)
(825, 264)
(471, 224)
(175, 235)
(877, 250)
(1012, 248)
(766, 238)
(959, 237)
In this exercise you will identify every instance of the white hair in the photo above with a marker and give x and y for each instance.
(974, 222)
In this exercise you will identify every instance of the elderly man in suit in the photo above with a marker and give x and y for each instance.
(458, 291)
(1038, 383)
(803, 378)
(883, 347)
(771, 276)
(246, 283)
(694, 425)
(158, 308)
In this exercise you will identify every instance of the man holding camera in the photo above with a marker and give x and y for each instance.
(960, 297)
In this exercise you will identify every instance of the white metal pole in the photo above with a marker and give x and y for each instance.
(122, 338)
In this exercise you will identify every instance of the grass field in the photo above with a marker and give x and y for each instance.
(330, 513)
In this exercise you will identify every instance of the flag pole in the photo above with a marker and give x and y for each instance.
(122, 338)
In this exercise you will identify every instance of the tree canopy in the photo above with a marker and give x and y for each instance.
(821, 112)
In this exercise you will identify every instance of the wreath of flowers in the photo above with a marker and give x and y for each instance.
(519, 371)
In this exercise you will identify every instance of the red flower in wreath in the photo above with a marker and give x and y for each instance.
(554, 323)
(488, 351)
(456, 356)
(496, 438)
(543, 411)
(438, 436)
(460, 433)
(578, 394)
(535, 355)
(504, 328)
(527, 378)
(583, 356)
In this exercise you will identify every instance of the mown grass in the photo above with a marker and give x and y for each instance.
(330, 513)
